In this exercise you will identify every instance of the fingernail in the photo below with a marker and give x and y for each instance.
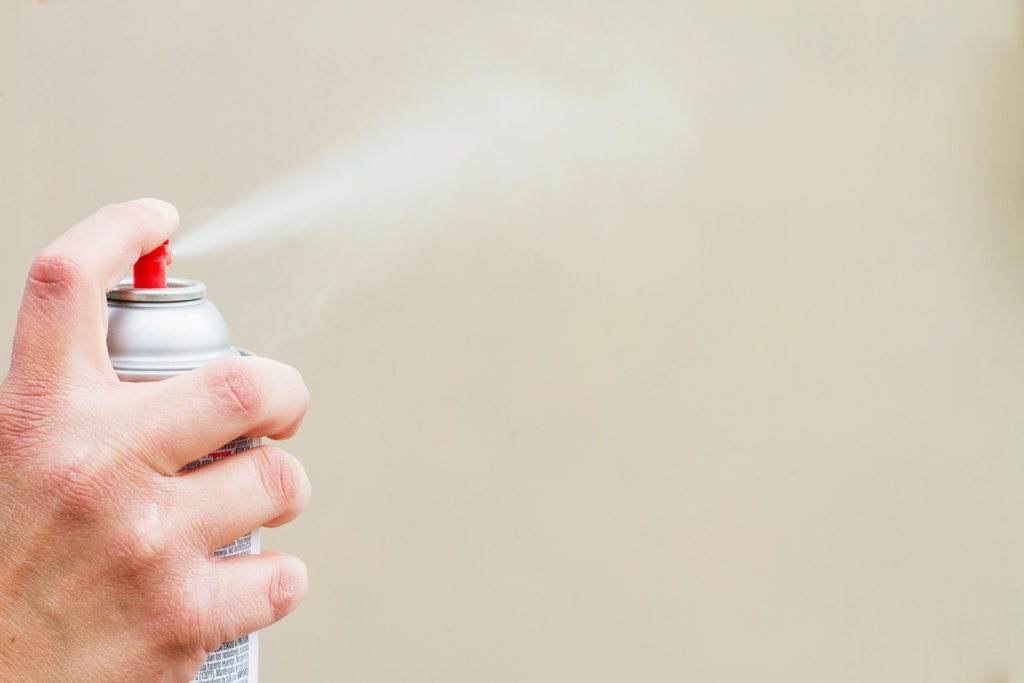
(158, 205)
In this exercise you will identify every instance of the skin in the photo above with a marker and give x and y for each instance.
(106, 568)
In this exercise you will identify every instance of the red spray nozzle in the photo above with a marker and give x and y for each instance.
(151, 269)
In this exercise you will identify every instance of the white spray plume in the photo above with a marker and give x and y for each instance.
(482, 133)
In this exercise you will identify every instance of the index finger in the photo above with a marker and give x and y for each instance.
(62, 324)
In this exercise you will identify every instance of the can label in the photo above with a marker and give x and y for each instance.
(235, 660)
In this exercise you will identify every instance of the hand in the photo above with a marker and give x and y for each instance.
(106, 566)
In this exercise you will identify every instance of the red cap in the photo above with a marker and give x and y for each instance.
(151, 269)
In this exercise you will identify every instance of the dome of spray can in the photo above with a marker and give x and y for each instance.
(159, 327)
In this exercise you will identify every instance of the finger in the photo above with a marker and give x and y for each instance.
(197, 412)
(250, 592)
(226, 499)
(63, 320)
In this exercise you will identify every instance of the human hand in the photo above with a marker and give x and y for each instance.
(106, 565)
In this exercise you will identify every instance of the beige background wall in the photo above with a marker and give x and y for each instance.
(658, 341)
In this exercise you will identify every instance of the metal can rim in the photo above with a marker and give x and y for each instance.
(178, 289)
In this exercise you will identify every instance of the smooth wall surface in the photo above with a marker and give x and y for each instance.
(649, 341)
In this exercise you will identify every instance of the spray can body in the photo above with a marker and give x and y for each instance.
(153, 334)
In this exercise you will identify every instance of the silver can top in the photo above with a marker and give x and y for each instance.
(156, 333)
(177, 289)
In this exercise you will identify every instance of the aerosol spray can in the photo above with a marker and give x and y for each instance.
(158, 328)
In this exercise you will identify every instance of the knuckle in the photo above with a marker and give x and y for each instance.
(286, 588)
(54, 275)
(141, 545)
(76, 488)
(236, 391)
(282, 477)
